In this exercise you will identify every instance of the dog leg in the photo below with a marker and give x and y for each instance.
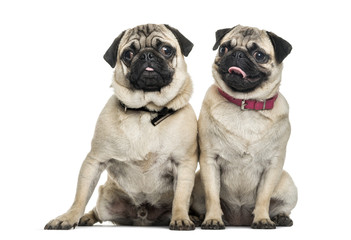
(183, 188)
(114, 205)
(88, 177)
(284, 199)
(198, 203)
(269, 180)
(210, 175)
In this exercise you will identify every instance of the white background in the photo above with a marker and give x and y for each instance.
(54, 83)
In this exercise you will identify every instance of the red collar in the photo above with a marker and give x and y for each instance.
(250, 104)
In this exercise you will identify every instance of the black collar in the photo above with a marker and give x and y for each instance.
(161, 115)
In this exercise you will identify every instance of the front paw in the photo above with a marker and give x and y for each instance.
(181, 224)
(213, 224)
(63, 222)
(263, 224)
(57, 224)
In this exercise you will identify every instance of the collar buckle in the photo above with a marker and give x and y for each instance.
(243, 104)
(264, 104)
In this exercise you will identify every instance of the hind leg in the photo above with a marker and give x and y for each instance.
(112, 205)
(283, 200)
(198, 204)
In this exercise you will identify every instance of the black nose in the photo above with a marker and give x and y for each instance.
(239, 54)
(147, 56)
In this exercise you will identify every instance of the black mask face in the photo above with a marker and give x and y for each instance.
(242, 63)
(240, 70)
(147, 55)
(150, 69)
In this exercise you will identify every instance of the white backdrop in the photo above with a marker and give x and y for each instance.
(54, 83)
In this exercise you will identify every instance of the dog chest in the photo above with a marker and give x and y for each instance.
(140, 137)
(129, 135)
(239, 133)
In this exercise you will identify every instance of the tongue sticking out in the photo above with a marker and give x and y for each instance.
(149, 69)
(237, 71)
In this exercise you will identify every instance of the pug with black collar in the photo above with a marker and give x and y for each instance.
(145, 137)
(243, 133)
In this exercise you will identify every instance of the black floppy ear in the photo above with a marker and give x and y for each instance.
(111, 53)
(281, 47)
(219, 35)
(184, 43)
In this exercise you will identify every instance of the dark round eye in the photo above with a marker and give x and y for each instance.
(259, 56)
(166, 51)
(223, 50)
(128, 55)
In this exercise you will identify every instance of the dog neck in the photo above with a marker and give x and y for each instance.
(250, 104)
(161, 115)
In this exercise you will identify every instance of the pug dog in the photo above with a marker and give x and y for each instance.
(145, 137)
(243, 133)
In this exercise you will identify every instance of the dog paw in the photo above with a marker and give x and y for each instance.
(197, 220)
(282, 220)
(181, 224)
(57, 224)
(88, 220)
(213, 224)
(64, 222)
(263, 224)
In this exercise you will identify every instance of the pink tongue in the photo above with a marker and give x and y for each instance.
(149, 69)
(237, 70)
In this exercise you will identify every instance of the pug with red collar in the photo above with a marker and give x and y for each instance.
(243, 133)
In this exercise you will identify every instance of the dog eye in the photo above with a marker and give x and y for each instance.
(259, 56)
(128, 55)
(223, 50)
(166, 51)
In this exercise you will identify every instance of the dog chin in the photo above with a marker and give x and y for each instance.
(150, 82)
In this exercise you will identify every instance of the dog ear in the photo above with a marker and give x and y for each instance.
(219, 35)
(281, 47)
(184, 43)
(111, 53)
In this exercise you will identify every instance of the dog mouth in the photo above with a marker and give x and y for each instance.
(239, 72)
(241, 78)
(149, 77)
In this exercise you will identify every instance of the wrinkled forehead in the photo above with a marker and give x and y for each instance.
(149, 35)
(247, 37)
